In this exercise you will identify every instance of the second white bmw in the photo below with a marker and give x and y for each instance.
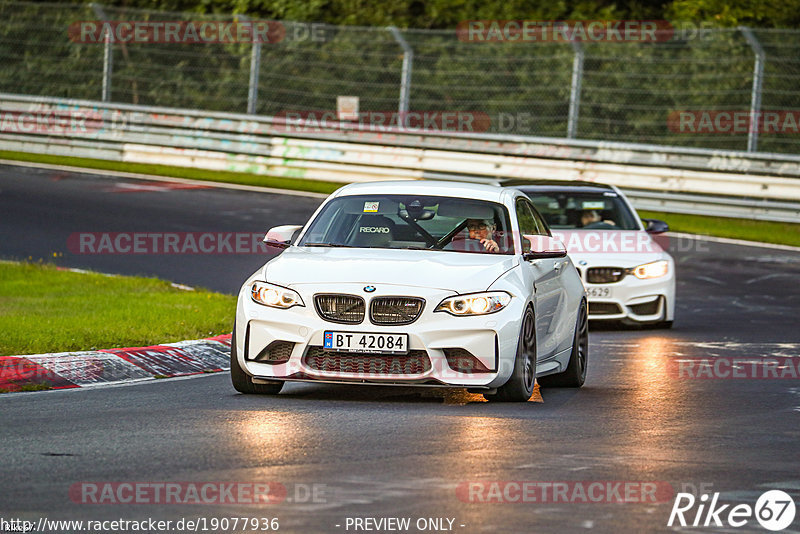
(415, 283)
(629, 275)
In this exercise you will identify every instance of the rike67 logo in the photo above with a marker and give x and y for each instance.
(774, 510)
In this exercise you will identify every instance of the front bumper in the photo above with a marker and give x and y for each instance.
(632, 299)
(298, 333)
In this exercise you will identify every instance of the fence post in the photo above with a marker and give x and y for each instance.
(575, 90)
(755, 96)
(255, 65)
(108, 54)
(405, 80)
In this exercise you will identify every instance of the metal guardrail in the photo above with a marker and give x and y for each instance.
(730, 184)
(589, 87)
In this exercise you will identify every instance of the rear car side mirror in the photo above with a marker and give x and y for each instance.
(654, 226)
(282, 236)
(543, 246)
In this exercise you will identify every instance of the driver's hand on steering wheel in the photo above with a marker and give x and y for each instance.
(490, 245)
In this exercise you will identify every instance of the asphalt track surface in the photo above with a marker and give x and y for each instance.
(401, 452)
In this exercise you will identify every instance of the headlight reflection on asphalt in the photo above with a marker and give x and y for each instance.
(653, 403)
(269, 434)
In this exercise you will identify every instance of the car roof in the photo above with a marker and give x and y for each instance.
(444, 188)
(578, 186)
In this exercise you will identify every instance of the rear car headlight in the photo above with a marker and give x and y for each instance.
(475, 304)
(275, 296)
(651, 270)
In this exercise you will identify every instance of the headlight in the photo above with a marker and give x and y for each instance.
(274, 296)
(651, 270)
(475, 304)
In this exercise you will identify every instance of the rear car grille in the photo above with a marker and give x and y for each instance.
(276, 352)
(604, 275)
(464, 361)
(414, 363)
(395, 310)
(603, 308)
(345, 309)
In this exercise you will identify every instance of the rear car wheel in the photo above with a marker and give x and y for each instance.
(519, 387)
(242, 381)
(575, 374)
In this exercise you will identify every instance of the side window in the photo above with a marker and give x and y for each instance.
(543, 228)
(527, 223)
(530, 222)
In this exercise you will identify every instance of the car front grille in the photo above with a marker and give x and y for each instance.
(604, 275)
(414, 363)
(345, 309)
(276, 352)
(603, 308)
(395, 310)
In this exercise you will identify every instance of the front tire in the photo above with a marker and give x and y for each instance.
(575, 374)
(519, 387)
(242, 382)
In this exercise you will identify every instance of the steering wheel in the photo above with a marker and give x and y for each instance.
(449, 236)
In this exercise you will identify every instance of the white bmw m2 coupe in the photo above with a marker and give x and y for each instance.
(415, 283)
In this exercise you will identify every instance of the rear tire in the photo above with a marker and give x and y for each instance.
(519, 387)
(242, 382)
(575, 374)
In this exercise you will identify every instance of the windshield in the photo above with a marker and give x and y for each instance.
(412, 222)
(583, 210)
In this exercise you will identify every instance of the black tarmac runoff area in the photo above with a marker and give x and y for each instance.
(611, 457)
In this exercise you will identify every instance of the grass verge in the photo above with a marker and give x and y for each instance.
(44, 309)
(750, 230)
(765, 231)
(294, 184)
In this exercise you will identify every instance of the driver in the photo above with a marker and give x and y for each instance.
(483, 231)
(592, 219)
(589, 217)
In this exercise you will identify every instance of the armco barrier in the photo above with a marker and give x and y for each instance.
(733, 184)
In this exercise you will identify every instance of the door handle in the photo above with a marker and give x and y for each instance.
(559, 265)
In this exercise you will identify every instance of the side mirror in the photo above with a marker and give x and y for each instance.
(282, 236)
(654, 226)
(543, 246)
